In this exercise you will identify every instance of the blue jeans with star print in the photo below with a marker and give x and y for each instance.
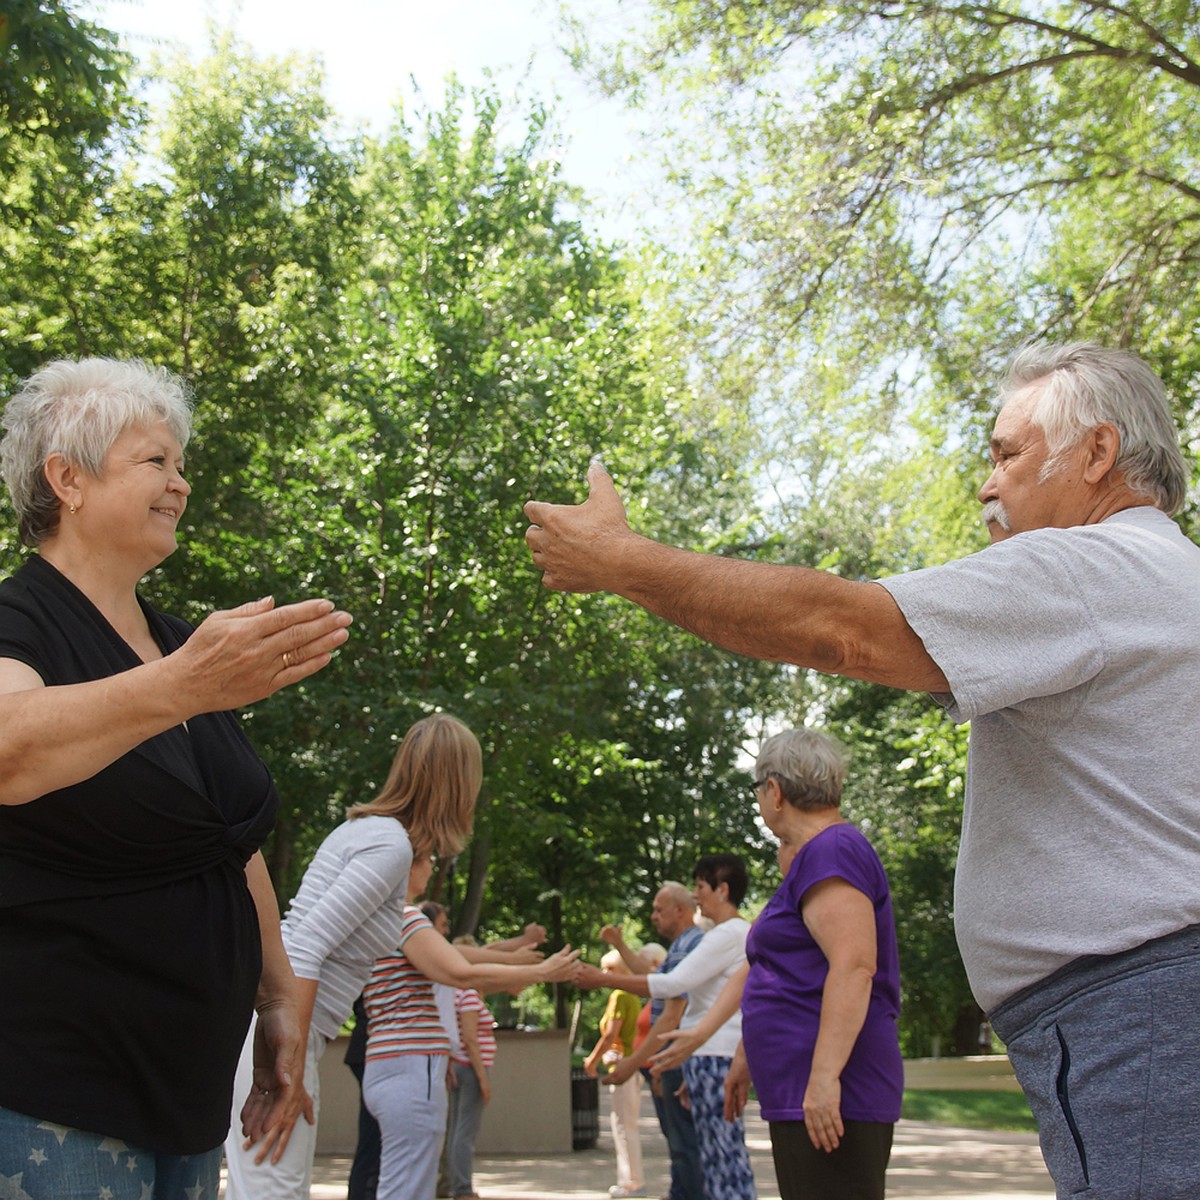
(43, 1161)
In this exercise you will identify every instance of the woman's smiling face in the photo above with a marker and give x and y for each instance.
(133, 507)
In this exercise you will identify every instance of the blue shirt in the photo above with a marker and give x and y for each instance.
(680, 948)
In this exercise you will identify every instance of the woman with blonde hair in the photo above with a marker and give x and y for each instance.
(347, 913)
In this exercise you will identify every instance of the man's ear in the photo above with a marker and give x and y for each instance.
(1103, 445)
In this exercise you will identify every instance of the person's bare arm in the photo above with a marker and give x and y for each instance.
(781, 613)
(685, 1042)
(593, 977)
(468, 1032)
(737, 1085)
(492, 953)
(610, 1035)
(841, 920)
(285, 1005)
(668, 1020)
(232, 659)
(436, 959)
(532, 935)
(630, 957)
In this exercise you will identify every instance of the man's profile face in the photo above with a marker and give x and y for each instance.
(664, 913)
(1015, 496)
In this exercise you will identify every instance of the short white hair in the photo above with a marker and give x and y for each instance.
(78, 409)
(653, 953)
(1085, 385)
(808, 765)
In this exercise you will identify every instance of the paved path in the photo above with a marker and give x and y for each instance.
(929, 1162)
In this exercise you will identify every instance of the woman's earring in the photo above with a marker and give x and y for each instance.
(71, 510)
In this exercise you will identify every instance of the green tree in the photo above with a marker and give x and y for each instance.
(494, 348)
(885, 198)
(392, 346)
(64, 103)
(907, 189)
(62, 78)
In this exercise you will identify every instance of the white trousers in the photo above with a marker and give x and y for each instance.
(291, 1177)
(407, 1096)
(623, 1120)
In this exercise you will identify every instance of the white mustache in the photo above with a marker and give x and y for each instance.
(994, 513)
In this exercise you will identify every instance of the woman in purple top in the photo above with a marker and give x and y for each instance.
(820, 992)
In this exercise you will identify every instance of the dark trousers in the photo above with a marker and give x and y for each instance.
(687, 1176)
(364, 1171)
(856, 1170)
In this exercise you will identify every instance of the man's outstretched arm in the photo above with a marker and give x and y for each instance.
(762, 610)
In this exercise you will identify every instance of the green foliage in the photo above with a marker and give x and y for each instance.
(391, 346)
(907, 190)
(970, 1110)
(884, 199)
(61, 77)
(394, 343)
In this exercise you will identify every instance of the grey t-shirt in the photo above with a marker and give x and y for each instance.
(1075, 655)
(348, 912)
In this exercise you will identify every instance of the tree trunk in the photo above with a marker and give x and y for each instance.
(278, 857)
(561, 1016)
(466, 920)
(967, 1027)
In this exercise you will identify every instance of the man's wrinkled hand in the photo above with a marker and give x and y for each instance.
(573, 544)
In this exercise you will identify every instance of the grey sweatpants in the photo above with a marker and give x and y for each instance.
(407, 1096)
(1107, 1053)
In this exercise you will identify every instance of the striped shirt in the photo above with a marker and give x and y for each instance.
(348, 912)
(402, 1014)
(469, 1000)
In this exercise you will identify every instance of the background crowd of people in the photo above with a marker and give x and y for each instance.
(94, 457)
(144, 947)
(803, 1002)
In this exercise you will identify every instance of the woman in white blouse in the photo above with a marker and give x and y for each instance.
(720, 886)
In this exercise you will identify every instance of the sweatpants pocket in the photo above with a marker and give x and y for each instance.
(1062, 1086)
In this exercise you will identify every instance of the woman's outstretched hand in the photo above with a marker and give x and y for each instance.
(561, 967)
(241, 655)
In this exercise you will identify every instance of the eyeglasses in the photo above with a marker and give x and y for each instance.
(759, 784)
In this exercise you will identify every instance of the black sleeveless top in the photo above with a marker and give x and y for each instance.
(129, 941)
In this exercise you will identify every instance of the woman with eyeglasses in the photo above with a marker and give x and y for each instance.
(820, 990)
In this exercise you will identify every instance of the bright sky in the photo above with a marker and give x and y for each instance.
(373, 49)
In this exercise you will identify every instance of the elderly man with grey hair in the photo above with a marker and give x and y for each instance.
(1071, 646)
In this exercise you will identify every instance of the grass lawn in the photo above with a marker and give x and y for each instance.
(972, 1110)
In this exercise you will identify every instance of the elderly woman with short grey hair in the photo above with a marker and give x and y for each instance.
(138, 925)
(820, 991)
